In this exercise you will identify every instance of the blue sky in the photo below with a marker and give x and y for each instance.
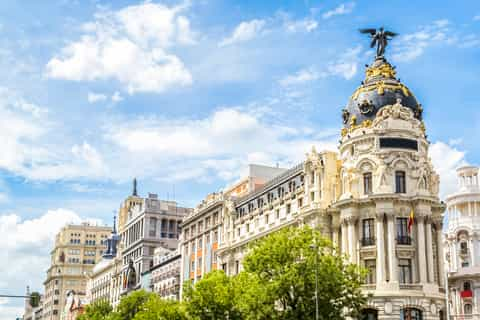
(183, 95)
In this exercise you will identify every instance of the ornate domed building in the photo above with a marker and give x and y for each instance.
(389, 214)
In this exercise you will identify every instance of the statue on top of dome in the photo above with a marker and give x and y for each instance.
(380, 38)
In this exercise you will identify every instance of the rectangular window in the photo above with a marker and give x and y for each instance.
(312, 196)
(400, 183)
(237, 267)
(402, 231)
(367, 183)
(200, 244)
(405, 270)
(368, 232)
(371, 266)
(277, 214)
(289, 208)
(300, 202)
(153, 227)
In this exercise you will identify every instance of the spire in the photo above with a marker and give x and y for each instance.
(114, 230)
(134, 193)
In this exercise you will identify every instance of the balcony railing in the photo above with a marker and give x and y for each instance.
(406, 240)
(466, 294)
(368, 241)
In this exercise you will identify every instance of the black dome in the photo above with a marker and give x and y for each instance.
(380, 88)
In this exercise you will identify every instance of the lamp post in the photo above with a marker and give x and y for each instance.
(314, 247)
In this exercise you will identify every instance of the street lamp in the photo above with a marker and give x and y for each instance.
(314, 247)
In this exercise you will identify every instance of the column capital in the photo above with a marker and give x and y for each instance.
(350, 219)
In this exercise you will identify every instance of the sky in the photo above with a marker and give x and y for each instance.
(184, 94)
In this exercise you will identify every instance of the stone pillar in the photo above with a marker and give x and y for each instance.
(381, 267)
(352, 243)
(429, 251)
(344, 238)
(335, 236)
(392, 255)
(422, 262)
(472, 250)
(454, 256)
(440, 255)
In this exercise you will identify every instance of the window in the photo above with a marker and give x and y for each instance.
(367, 183)
(289, 208)
(465, 264)
(277, 213)
(371, 266)
(467, 308)
(208, 239)
(463, 247)
(300, 202)
(400, 183)
(237, 267)
(200, 244)
(153, 227)
(402, 231)
(410, 314)
(405, 270)
(200, 263)
(215, 236)
(368, 231)
(369, 314)
(467, 286)
(312, 196)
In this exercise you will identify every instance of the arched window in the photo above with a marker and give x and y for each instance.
(367, 183)
(467, 308)
(400, 182)
(410, 314)
(369, 314)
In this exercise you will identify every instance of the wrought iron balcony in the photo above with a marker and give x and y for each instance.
(368, 241)
(406, 240)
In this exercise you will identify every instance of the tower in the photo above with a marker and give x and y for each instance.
(462, 245)
(389, 210)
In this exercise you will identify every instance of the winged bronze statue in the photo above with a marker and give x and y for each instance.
(380, 38)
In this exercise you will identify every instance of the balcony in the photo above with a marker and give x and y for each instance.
(405, 240)
(368, 241)
(466, 294)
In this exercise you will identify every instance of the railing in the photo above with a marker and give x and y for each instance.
(411, 286)
(368, 241)
(407, 240)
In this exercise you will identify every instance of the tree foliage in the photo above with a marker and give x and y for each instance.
(213, 297)
(156, 308)
(131, 304)
(99, 310)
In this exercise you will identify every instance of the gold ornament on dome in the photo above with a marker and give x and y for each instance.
(385, 70)
(365, 124)
(380, 86)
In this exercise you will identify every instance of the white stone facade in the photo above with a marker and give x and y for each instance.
(462, 246)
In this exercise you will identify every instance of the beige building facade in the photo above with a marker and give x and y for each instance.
(77, 249)
(361, 198)
(462, 246)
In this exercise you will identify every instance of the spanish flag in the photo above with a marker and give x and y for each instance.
(411, 219)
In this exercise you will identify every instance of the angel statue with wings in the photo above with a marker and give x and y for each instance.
(380, 38)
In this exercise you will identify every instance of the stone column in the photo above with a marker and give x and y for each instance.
(392, 255)
(422, 262)
(429, 251)
(440, 255)
(381, 267)
(454, 256)
(335, 236)
(344, 238)
(472, 250)
(352, 243)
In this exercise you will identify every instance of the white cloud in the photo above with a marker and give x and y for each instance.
(131, 46)
(301, 77)
(446, 159)
(342, 9)
(26, 247)
(245, 31)
(476, 18)
(203, 147)
(96, 97)
(440, 32)
(303, 25)
(116, 97)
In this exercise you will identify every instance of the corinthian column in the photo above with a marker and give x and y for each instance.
(392, 255)
(440, 254)
(344, 238)
(380, 248)
(422, 262)
(352, 242)
(431, 270)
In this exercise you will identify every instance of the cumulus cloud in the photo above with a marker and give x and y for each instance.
(202, 147)
(245, 31)
(26, 246)
(96, 97)
(342, 9)
(131, 46)
(476, 18)
(301, 77)
(446, 159)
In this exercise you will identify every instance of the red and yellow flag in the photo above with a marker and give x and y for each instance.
(411, 219)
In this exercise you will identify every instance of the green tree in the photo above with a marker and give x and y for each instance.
(156, 308)
(284, 265)
(131, 304)
(252, 297)
(213, 297)
(99, 310)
